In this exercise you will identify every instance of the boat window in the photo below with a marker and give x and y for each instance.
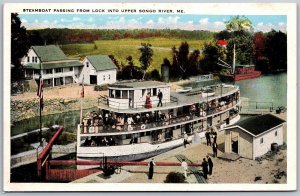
(125, 94)
(118, 94)
(143, 92)
(148, 133)
(149, 91)
(112, 93)
(142, 134)
(154, 91)
(128, 136)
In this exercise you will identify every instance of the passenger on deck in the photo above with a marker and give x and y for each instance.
(137, 119)
(148, 104)
(111, 142)
(130, 122)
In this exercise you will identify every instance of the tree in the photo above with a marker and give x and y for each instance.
(19, 47)
(239, 23)
(223, 35)
(180, 59)
(243, 42)
(115, 61)
(212, 53)
(146, 57)
(276, 49)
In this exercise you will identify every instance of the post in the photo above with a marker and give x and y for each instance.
(233, 66)
(41, 93)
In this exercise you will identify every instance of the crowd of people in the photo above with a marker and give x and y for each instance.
(95, 122)
(99, 141)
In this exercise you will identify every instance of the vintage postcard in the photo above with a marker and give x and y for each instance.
(150, 97)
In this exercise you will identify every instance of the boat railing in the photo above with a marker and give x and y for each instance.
(105, 101)
(97, 126)
(155, 141)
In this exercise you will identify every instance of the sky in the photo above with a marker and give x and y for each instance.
(262, 23)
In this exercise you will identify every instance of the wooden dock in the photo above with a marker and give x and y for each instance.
(196, 172)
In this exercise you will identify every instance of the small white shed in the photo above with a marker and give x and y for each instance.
(252, 138)
(98, 69)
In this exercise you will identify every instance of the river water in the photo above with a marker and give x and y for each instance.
(269, 88)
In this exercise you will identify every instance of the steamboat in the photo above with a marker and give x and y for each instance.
(141, 119)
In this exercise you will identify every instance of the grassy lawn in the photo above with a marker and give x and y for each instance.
(125, 47)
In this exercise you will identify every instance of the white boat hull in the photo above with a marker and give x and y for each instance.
(133, 152)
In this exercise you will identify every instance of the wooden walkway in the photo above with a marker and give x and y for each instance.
(197, 173)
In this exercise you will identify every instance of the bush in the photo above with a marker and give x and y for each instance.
(100, 88)
(175, 177)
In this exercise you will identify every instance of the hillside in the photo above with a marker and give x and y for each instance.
(122, 48)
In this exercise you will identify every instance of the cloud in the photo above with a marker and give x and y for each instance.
(190, 22)
(203, 21)
(24, 21)
(149, 22)
(265, 27)
(168, 20)
(36, 20)
(75, 18)
(90, 19)
(45, 21)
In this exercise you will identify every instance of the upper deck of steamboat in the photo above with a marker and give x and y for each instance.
(142, 96)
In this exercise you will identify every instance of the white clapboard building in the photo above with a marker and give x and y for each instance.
(54, 66)
(253, 137)
(98, 69)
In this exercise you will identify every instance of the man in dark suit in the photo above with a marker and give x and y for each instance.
(204, 168)
(210, 165)
(160, 96)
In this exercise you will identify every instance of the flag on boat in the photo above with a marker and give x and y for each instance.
(40, 92)
(82, 89)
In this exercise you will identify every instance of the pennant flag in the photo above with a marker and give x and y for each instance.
(82, 90)
(40, 92)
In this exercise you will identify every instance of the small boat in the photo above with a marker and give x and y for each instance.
(184, 89)
(208, 93)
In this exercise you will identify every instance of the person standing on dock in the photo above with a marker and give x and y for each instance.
(210, 165)
(151, 165)
(215, 149)
(160, 96)
(207, 136)
(204, 168)
(184, 166)
(185, 139)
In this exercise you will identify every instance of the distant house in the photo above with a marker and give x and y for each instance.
(252, 138)
(98, 69)
(55, 67)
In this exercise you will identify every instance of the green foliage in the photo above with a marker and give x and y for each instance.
(153, 75)
(223, 35)
(212, 52)
(239, 23)
(184, 63)
(130, 72)
(175, 177)
(276, 50)
(67, 36)
(19, 47)
(243, 47)
(146, 56)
